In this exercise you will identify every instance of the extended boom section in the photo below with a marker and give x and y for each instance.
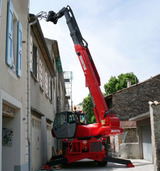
(89, 69)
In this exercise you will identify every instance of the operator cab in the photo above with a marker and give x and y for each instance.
(65, 123)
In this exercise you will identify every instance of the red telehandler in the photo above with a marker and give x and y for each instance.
(82, 140)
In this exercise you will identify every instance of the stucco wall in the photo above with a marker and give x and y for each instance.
(14, 86)
(39, 100)
(11, 83)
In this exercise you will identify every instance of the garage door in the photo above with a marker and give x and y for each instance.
(36, 143)
(146, 142)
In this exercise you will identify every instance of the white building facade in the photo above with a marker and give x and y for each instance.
(13, 85)
(28, 90)
(42, 100)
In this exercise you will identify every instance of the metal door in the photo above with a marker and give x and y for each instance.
(146, 143)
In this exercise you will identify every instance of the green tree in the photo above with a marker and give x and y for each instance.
(119, 83)
(88, 109)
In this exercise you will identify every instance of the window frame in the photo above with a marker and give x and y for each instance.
(34, 60)
(13, 40)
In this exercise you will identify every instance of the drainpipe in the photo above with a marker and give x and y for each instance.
(29, 96)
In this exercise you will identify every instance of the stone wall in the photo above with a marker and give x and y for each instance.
(133, 101)
(129, 150)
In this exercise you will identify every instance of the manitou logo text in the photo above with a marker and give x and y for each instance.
(83, 64)
(116, 130)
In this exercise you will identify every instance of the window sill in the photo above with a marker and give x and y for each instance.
(12, 73)
(47, 96)
(41, 88)
(34, 77)
(51, 101)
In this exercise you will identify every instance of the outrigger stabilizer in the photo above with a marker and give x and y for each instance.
(60, 160)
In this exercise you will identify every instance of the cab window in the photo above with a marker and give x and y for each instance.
(60, 120)
(71, 118)
(83, 119)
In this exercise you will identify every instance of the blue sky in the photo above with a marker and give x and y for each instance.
(123, 36)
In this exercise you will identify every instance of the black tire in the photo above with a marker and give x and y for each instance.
(101, 164)
(64, 147)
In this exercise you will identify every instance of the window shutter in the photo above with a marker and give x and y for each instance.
(40, 72)
(31, 54)
(49, 87)
(0, 11)
(37, 65)
(19, 49)
(46, 83)
(9, 50)
(34, 60)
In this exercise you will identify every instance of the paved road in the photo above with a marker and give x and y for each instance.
(86, 165)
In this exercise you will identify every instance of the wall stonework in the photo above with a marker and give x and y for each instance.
(133, 101)
(132, 104)
(155, 125)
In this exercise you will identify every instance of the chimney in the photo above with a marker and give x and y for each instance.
(129, 83)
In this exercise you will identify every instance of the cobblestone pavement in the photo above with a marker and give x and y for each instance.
(86, 165)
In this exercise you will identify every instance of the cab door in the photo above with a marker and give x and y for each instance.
(64, 125)
(72, 124)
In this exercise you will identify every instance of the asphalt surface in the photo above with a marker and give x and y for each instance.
(87, 165)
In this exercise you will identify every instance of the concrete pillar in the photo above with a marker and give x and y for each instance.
(155, 129)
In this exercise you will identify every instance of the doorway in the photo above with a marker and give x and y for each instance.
(10, 137)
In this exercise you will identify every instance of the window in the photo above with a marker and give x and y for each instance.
(14, 41)
(34, 66)
(48, 127)
(33, 122)
(36, 122)
(34, 59)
